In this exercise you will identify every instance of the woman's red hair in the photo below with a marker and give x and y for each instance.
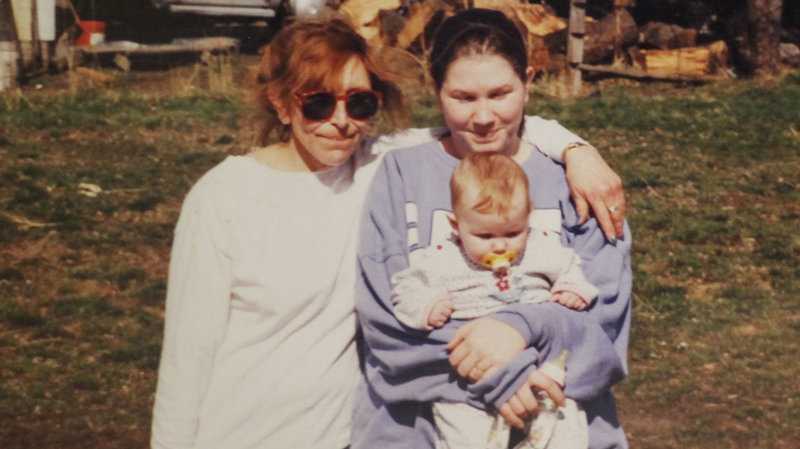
(307, 56)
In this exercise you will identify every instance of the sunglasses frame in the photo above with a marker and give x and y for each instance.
(302, 96)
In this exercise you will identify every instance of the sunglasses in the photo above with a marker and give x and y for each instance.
(359, 104)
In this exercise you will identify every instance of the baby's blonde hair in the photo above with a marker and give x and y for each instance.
(495, 176)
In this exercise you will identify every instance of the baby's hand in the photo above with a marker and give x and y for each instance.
(440, 313)
(568, 299)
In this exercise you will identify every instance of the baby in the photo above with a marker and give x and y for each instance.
(494, 258)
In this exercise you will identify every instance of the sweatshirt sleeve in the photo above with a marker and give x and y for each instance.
(415, 294)
(549, 136)
(395, 355)
(197, 302)
(598, 337)
(568, 275)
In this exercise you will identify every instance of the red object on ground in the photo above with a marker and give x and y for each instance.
(94, 32)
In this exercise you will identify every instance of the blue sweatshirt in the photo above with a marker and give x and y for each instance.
(405, 369)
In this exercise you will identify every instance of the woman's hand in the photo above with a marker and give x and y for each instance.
(482, 346)
(523, 405)
(593, 183)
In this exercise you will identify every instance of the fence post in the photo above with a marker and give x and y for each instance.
(576, 33)
(9, 47)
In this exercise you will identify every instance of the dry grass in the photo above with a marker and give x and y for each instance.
(712, 174)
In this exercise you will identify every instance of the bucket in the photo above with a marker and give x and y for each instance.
(8, 65)
(94, 33)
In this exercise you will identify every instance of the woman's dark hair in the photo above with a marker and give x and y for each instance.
(477, 31)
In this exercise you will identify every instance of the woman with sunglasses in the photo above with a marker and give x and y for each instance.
(478, 64)
(259, 348)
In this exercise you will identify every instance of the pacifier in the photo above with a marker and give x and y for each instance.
(499, 263)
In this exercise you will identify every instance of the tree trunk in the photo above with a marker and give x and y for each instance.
(763, 36)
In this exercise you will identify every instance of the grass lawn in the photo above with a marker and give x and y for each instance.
(92, 178)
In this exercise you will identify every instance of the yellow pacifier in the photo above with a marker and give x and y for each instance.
(499, 262)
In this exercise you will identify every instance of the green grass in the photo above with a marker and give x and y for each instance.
(712, 176)
(711, 172)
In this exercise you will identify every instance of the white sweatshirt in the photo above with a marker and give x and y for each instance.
(260, 323)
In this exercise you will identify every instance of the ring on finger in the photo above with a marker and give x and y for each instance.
(613, 208)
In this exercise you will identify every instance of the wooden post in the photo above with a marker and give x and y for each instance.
(763, 36)
(9, 47)
(577, 31)
(619, 6)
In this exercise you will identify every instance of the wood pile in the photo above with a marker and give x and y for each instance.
(688, 62)
(655, 49)
(604, 34)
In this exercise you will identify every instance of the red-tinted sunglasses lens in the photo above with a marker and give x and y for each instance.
(360, 105)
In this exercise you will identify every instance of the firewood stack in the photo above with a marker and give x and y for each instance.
(673, 51)
(710, 60)
(653, 50)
